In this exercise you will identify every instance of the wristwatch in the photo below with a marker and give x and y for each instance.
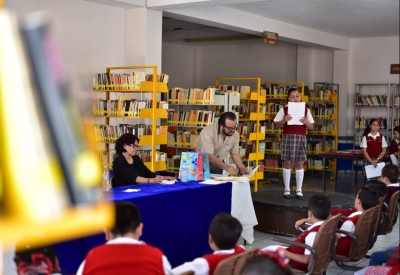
(378, 158)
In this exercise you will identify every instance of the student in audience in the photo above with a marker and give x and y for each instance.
(366, 198)
(31, 260)
(223, 236)
(392, 266)
(390, 176)
(395, 144)
(376, 185)
(269, 263)
(318, 212)
(124, 253)
(128, 167)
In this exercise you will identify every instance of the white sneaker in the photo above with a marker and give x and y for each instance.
(299, 195)
(286, 194)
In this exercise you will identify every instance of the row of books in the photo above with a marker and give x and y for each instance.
(192, 95)
(186, 139)
(246, 127)
(277, 91)
(110, 133)
(396, 101)
(174, 163)
(372, 100)
(107, 157)
(273, 108)
(362, 122)
(246, 147)
(124, 106)
(245, 109)
(322, 110)
(124, 81)
(192, 117)
(323, 128)
(322, 94)
(244, 91)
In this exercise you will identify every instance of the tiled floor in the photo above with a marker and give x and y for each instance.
(314, 183)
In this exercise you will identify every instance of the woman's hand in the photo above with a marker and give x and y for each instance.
(157, 179)
(169, 178)
(374, 162)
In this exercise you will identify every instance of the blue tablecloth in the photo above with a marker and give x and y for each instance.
(175, 219)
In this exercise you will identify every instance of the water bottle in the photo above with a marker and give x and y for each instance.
(184, 173)
(106, 179)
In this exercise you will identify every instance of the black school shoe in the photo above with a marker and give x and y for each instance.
(286, 194)
(299, 195)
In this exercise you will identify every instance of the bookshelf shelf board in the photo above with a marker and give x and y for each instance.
(144, 114)
(195, 104)
(145, 87)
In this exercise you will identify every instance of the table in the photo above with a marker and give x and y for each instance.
(175, 219)
(345, 154)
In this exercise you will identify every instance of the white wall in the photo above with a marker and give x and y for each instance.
(90, 36)
(370, 60)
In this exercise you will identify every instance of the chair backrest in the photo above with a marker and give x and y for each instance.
(233, 265)
(377, 222)
(392, 210)
(363, 231)
(322, 244)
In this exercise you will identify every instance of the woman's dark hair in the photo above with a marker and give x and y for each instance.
(125, 139)
(368, 129)
(294, 89)
(227, 115)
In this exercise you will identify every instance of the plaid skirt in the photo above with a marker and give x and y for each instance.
(294, 147)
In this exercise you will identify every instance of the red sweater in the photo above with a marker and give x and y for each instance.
(394, 146)
(124, 259)
(344, 244)
(374, 146)
(300, 250)
(294, 129)
(214, 259)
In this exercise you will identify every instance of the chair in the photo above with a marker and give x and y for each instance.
(377, 222)
(390, 218)
(323, 248)
(233, 265)
(360, 239)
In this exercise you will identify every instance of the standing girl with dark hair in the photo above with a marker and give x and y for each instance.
(373, 144)
(294, 143)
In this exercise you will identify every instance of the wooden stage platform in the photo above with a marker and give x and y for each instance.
(278, 215)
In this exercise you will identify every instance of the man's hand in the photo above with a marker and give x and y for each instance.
(244, 171)
(231, 170)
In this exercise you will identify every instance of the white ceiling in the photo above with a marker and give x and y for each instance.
(348, 18)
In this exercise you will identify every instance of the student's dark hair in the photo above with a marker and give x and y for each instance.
(25, 250)
(368, 197)
(264, 265)
(391, 172)
(396, 129)
(319, 205)
(368, 128)
(127, 218)
(125, 139)
(293, 89)
(225, 230)
(378, 186)
(227, 115)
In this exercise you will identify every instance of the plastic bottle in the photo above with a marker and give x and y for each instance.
(184, 173)
(106, 179)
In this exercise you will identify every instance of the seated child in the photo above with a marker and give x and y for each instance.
(223, 236)
(124, 253)
(390, 268)
(318, 212)
(390, 176)
(366, 198)
(376, 185)
(36, 260)
(269, 263)
(395, 144)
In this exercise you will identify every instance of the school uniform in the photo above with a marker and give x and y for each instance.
(307, 237)
(374, 144)
(349, 225)
(394, 146)
(206, 265)
(391, 189)
(125, 256)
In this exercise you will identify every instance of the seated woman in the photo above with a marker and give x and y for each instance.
(128, 167)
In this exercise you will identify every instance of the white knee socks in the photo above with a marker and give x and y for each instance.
(286, 178)
(299, 179)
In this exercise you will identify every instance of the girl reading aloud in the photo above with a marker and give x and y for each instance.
(294, 142)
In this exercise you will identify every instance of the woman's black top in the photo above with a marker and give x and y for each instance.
(126, 174)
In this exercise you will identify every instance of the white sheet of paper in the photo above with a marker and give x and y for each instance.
(251, 173)
(211, 181)
(131, 190)
(394, 160)
(296, 110)
(168, 182)
(373, 172)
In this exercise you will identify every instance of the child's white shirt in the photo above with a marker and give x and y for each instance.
(364, 140)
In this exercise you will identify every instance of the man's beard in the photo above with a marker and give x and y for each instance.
(228, 133)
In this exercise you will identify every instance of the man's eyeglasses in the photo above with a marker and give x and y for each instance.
(230, 129)
(134, 146)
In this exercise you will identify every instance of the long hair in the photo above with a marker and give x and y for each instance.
(368, 128)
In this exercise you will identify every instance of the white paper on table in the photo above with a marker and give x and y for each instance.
(211, 181)
(296, 110)
(131, 190)
(394, 160)
(168, 182)
(373, 172)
